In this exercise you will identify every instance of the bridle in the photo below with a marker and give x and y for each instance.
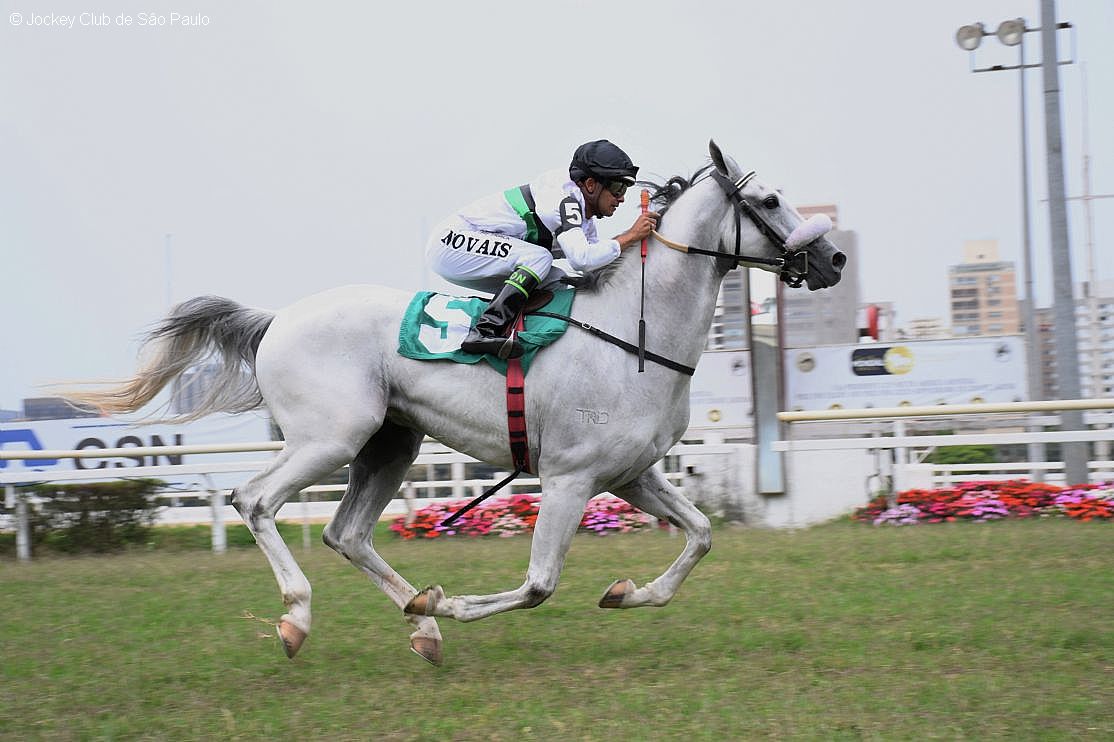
(792, 264)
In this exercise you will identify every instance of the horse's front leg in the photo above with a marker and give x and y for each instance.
(561, 511)
(651, 492)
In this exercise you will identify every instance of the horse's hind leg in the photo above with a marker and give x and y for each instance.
(654, 494)
(373, 481)
(298, 466)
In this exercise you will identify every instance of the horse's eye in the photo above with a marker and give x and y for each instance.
(770, 202)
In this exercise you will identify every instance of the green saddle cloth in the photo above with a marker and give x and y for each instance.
(434, 326)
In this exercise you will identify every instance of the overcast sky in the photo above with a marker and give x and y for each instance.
(290, 147)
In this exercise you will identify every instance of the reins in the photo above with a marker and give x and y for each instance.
(680, 246)
(778, 262)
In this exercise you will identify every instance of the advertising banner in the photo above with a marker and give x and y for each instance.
(720, 395)
(916, 372)
(105, 432)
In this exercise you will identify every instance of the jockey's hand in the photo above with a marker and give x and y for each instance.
(640, 230)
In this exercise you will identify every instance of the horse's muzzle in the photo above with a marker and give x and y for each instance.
(825, 264)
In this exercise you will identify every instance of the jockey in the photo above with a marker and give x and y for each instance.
(504, 244)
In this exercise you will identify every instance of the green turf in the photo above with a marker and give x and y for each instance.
(994, 630)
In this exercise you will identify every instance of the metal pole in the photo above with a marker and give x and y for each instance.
(1032, 346)
(1067, 349)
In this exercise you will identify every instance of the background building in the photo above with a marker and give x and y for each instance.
(1094, 326)
(729, 325)
(188, 391)
(828, 316)
(983, 292)
(54, 408)
(825, 317)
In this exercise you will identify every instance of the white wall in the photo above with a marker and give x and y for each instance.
(822, 485)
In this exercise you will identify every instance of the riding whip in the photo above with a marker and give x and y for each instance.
(642, 307)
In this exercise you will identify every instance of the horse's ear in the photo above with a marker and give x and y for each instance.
(717, 157)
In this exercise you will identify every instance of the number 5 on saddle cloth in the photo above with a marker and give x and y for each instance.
(434, 326)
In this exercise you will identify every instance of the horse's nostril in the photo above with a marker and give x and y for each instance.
(839, 260)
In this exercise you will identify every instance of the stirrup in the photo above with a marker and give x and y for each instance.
(501, 347)
(507, 349)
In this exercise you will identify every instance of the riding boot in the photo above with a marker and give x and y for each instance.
(494, 330)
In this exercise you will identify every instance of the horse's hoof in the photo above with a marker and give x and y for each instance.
(615, 594)
(428, 648)
(425, 602)
(292, 638)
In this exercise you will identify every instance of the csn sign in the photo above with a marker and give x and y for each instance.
(28, 439)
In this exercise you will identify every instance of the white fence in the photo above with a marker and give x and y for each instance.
(825, 476)
(882, 453)
(306, 510)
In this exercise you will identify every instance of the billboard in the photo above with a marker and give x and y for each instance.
(106, 432)
(917, 372)
(720, 394)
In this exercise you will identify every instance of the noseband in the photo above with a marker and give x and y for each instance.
(792, 264)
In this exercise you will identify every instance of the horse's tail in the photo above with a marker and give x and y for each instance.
(199, 329)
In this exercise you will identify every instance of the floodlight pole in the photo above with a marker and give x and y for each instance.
(1067, 350)
(1036, 451)
(1032, 335)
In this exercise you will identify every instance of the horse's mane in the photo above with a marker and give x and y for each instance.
(662, 196)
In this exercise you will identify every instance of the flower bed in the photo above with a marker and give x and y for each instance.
(513, 515)
(984, 501)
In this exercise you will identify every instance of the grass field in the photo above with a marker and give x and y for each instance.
(999, 630)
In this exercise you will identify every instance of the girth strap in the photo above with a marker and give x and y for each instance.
(516, 430)
(516, 413)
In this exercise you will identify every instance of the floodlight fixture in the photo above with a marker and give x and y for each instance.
(970, 36)
(1010, 32)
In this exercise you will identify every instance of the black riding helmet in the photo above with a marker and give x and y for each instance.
(603, 161)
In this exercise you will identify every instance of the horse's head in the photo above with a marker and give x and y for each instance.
(795, 248)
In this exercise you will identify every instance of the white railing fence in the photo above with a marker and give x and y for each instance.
(824, 476)
(899, 452)
(309, 508)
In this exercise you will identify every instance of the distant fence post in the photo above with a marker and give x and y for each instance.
(216, 507)
(13, 499)
(457, 469)
(306, 539)
(408, 496)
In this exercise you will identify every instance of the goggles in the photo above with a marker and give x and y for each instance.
(618, 188)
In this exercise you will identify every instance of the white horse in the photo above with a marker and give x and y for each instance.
(328, 371)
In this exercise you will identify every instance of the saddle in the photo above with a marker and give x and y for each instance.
(434, 325)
